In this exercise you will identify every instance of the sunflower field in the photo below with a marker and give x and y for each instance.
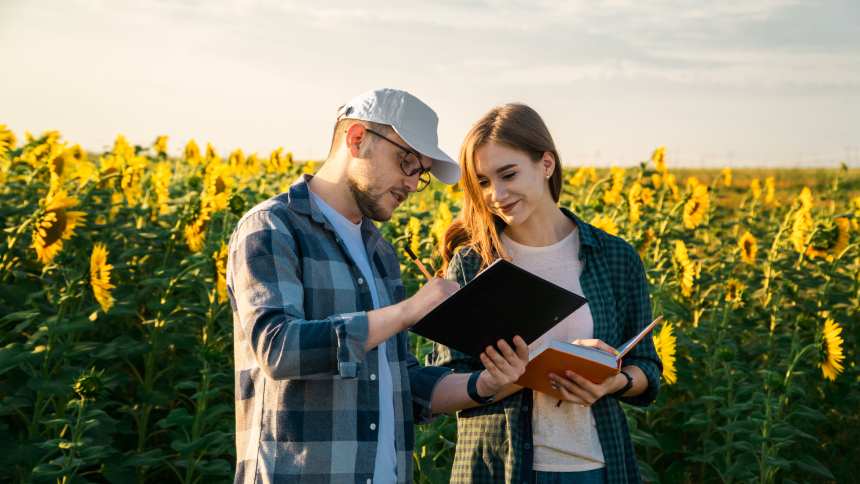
(116, 360)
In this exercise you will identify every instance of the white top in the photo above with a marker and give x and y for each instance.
(565, 437)
(385, 469)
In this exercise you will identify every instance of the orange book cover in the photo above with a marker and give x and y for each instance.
(559, 356)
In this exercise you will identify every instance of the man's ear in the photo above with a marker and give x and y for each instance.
(355, 134)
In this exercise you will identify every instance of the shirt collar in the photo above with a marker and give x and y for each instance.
(587, 235)
(300, 201)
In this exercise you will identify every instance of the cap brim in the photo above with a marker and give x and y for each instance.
(444, 168)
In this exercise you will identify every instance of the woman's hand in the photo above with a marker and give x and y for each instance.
(502, 368)
(580, 390)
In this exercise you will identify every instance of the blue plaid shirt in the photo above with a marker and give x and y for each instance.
(307, 394)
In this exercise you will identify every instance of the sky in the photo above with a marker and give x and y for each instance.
(729, 83)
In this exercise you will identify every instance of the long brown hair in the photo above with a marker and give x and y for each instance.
(516, 126)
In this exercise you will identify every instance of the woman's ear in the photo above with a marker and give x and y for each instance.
(548, 162)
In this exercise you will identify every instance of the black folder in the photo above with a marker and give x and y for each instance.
(500, 302)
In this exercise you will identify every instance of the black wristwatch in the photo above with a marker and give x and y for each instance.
(472, 389)
(626, 386)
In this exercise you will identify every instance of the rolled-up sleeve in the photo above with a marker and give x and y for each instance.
(637, 317)
(422, 383)
(266, 291)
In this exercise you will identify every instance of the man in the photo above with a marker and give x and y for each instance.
(326, 388)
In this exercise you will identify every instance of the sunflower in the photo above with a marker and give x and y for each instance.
(236, 160)
(55, 225)
(195, 231)
(442, 221)
(605, 223)
(665, 343)
(278, 162)
(832, 356)
(7, 139)
(413, 230)
(755, 188)
(830, 239)
(160, 146)
(309, 167)
(648, 238)
(749, 247)
(211, 154)
(217, 185)
(656, 180)
(686, 268)
(634, 201)
(583, 174)
(671, 182)
(659, 159)
(132, 180)
(612, 196)
(734, 292)
(769, 190)
(727, 176)
(100, 277)
(122, 148)
(221, 272)
(697, 206)
(192, 153)
(805, 199)
(161, 184)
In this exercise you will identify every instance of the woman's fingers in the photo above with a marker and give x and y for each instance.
(596, 343)
(522, 349)
(592, 388)
(572, 387)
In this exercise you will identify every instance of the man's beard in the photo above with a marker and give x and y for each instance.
(368, 203)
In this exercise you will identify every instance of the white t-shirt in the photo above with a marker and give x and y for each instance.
(385, 468)
(565, 437)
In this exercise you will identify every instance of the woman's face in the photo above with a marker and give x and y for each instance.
(512, 184)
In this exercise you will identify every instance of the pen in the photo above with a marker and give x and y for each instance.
(417, 262)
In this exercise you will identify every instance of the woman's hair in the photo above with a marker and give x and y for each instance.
(513, 125)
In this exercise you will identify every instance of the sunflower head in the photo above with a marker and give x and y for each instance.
(749, 247)
(727, 176)
(221, 272)
(831, 350)
(697, 206)
(7, 139)
(160, 146)
(192, 153)
(55, 224)
(734, 292)
(605, 223)
(665, 344)
(830, 239)
(658, 157)
(755, 188)
(100, 277)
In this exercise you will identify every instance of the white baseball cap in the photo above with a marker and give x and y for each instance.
(413, 120)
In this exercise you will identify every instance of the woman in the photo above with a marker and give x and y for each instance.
(512, 181)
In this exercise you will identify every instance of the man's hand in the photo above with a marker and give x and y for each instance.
(428, 297)
(502, 368)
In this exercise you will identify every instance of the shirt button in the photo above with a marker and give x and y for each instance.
(528, 446)
(373, 426)
(373, 377)
(361, 280)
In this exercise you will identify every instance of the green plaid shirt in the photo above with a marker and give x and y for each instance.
(494, 442)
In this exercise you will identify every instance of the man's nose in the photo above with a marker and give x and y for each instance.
(412, 183)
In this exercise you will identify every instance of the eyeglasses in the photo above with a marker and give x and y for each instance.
(410, 162)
